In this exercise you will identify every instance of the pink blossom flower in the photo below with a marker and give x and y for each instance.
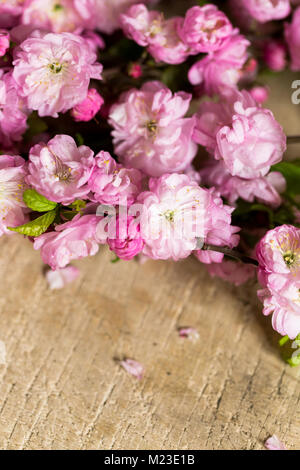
(176, 213)
(60, 170)
(273, 443)
(73, 240)
(274, 55)
(133, 368)
(279, 250)
(209, 120)
(13, 170)
(223, 68)
(150, 132)
(205, 29)
(89, 107)
(265, 189)
(292, 37)
(56, 16)
(143, 26)
(189, 333)
(259, 93)
(61, 277)
(150, 29)
(232, 271)
(53, 72)
(10, 11)
(4, 42)
(278, 254)
(173, 51)
(102, 14)
(267, 10)
(252, 142)
(221, 233)
(13, 112)
(285, 313)
(245, 136)
(111, 183)
(127, 242)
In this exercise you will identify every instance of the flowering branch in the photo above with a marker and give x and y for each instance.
(137, 129)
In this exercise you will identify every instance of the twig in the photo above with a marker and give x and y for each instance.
(231, 253)
(293, 139)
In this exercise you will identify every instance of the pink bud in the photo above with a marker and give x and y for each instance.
(89, 107)
(129, 244)
(250, 66)
(135, 70)
(4, 42)
(274, 54)
(259, 93)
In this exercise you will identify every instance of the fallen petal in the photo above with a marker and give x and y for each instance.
(273, 443)
(2, 353)
(60, 277)
(188, 332)
(133, 367)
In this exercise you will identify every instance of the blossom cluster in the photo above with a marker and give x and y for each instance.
(106, 141)
(203, 30)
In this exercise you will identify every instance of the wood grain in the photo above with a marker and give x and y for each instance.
(62, 389)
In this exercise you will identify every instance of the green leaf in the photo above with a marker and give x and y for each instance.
(291, 350)
(37, 226)
(297, 340)
(37, 202)
(294, 361)
(115, 260)
(283, 340)
(291, 172)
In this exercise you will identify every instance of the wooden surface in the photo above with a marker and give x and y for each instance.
(62, 389)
